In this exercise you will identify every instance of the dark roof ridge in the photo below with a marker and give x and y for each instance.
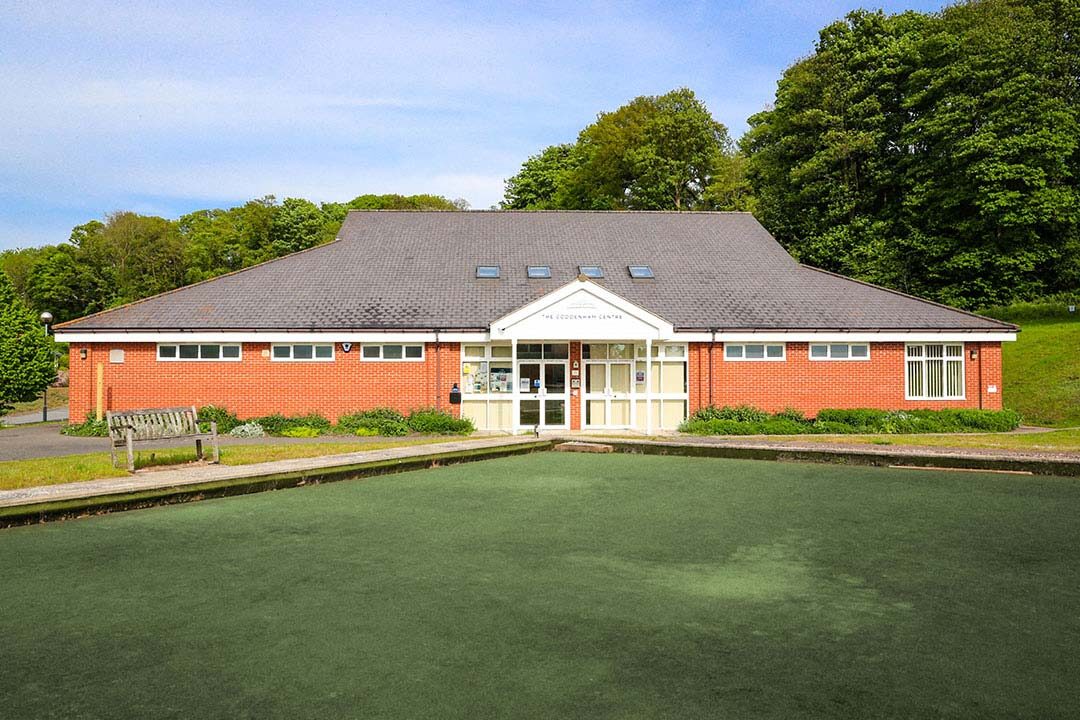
(195, 284)
(1010, 326)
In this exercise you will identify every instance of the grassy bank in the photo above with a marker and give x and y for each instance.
(1055, 441)
(76, 468)
(1042, 373)
(58, 398)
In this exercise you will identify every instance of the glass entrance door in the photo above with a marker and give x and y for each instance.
(544, 400)
(607, 394)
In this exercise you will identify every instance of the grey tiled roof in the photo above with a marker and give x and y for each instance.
(416, 271)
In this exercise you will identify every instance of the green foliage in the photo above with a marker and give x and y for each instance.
(378, 421)
(436, 422)
(278, 424)
(301, 431)
(746, 420)
(88, 428)
(937, 154)
(129, 256)
(1050, 307)
(27, 365)
(1042, 372)
(739, 413)
(663, 152)
(225, 420)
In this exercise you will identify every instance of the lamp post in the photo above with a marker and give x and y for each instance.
(46, 318)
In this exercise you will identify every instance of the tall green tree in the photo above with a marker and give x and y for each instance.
(26, 352)
(654, 153)
(932, 153)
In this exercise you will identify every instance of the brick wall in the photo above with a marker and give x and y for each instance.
(256, 385)
(812, 385)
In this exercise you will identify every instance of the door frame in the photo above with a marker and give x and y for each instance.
(543, 396)
(608, 395)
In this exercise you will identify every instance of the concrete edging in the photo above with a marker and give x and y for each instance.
(244, 480)
(876, 458)
(30, 513)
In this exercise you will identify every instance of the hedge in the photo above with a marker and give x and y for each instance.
(745, 420)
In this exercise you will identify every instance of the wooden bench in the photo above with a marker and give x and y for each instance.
(136, 426)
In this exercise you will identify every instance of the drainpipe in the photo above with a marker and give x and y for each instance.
(980, 345)
(711, 346)
(438, 374)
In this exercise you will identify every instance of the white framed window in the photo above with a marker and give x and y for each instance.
(840, 351)
(302, 352)
(487, 369)
(213, 352)
(934, 372)
(755, 352)
(393, 352)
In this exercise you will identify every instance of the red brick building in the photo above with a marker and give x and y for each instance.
(557, 319)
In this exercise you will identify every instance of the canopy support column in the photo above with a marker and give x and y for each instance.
(648, 386)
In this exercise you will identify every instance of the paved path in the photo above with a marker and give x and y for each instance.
(24, 442)
(198, 474)
(57, 414)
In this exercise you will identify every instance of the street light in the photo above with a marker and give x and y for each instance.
(46, 319)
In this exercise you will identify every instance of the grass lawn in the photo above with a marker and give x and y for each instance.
(559, 585)
(58, 398)
(93, 466)
(1042, 373)
(1055, 441)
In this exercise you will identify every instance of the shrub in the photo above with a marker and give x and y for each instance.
(866, 418)
(277, 423)
(718, 426)
(436, 422)
(380, 421)
(87, 428)
(386, 429)
(828, 427)
(739, 413)
(781, 426)
(301, 431)
(248, 429)
(791, 414)
(225, 420)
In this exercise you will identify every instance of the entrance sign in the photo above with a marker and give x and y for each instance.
(581, 309)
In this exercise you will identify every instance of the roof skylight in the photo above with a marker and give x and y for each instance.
(591, 271)
(539, 272)
(640, 271)
(487, 271)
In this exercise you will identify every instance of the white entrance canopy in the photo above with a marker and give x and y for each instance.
(581, 310)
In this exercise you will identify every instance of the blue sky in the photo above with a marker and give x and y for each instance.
(168, 107)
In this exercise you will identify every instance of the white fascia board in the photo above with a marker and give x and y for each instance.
(848, 337)
(257, 337)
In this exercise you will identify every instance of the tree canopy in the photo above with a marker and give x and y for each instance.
(131, 256)
(658, 152)
(937, 154)
(26, 352)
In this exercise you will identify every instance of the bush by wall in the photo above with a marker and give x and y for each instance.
(750, 421)
(247, 430)
(377, 421)
(436, 422)
(301, 431)
(87, 428)
(225, 420)
(277, 424)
